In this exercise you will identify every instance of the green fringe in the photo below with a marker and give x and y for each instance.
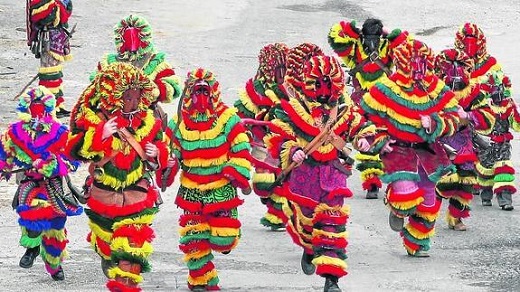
(103, 222)
(242, 170)
(369, 164)
(242, 109)
(440, 171)
(223, 240)
(241, 146)
(504, 177)
(399, 175)
(194, 237)
(30, 242)
(197, 264)
(119, 255)
(148, 211)
(214, 281)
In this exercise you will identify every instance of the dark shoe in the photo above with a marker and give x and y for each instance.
(331, 284)
(308, 267)
(59, 275)
(396, 223)
(420, 254)
(198, 288)
(106, 265)
(487, 203)
(226, 252)
(62, 113)
(372, 193)
(29, 256)
(507, 207)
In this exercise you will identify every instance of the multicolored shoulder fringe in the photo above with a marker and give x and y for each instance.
(120, 228)
(36, 145)
(213, 154)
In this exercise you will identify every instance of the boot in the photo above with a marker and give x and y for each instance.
(331, 284)
(396, 223)
(308, 267)
(62, 113)
(420, 254)
(198, 288)
(59, 275)
(29, 256)
(372, 193)
(505, 201)
(486, 195)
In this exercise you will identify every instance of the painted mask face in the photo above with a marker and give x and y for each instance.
(455, 76)
(201, 97)
(37, 109)
(371, 43)
(470, 45)
(497, 93)
(323, 88)
(418, 65)
(131, 40)
(131, 98)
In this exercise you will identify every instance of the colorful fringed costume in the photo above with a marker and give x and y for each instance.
(115, 131)
(48, 38)
(36, 144)
(471, 39)
(454, 67)
(416, 108)
(495, 169)
(317, 187)
(212, 149)
(257, 102)
(133, 42)
(367, 53)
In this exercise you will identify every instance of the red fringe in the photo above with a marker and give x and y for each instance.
(112, 211)
(419, 226)
(504, 169)
(46, 213)
(339, 243)
(213, 288)
(207, 267)
(277, 213)
(194, 245)
(136, 234)
(393, 197)
(324, 218)
(330, 270)
(509, 188)
(221, 248)
(296, 238)
(341, 192)
(188, 205)
(103, 246)
(457, 213)
(115, 286)
(466, 157)
(186, 218)
(372, 180)
(238, 179)
(224, 222)
(227, 205)
(300, 200)
(409, 244)
(54, 242)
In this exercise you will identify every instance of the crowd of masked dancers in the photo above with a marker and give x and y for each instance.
(429, 126)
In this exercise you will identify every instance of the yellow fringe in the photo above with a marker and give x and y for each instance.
(224, 231)
(451, 220)
(286, 152)
(191, 229)
(196, 255)
(484, 171)
(503, 163)
(406, 205)
(278, 199)
(204, 162)
(322, 233)
(121, 243)
(85, 150)
(50, 70)
(247, 102)
(55, 261)
(324, 208)
(215, 131)
(58, 57)
(428, 216)
(93, 244)
(39, 203)
(204, 279)
(100, 232)
(60, 235)
(264, 177)
(143, 219)
(115, 183)
(330, 261)
(272, 218)
(272, 96)
(116, 271)
(367, 157)
(418, 234)
(485, 182)
(370, 172)
(240, 162)
(43, 8)
(502, 184)
(240, 138)
(186, 182)
(286, 128)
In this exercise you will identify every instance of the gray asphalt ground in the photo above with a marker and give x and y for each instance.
(225, 37)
